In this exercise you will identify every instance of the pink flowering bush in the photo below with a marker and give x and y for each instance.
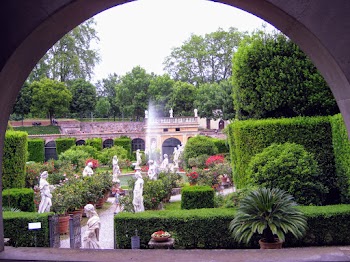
(93, 161)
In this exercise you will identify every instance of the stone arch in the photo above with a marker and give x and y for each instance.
(80, 142)
(138, 143)
(108, 143)
(50, 150)
(168, 146)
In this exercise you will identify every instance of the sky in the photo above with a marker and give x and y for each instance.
(143, 32)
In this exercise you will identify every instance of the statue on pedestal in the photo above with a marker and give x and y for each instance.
(92, 233)
(45, 193)
(152, 172)
(138, 159)
(164, 166)
(138, 193)
(116, 169)
(171, 112)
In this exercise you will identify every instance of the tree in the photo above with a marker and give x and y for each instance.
(71, 57)
(107, 88)
(23, 101)
(132, 92)
(102, 107)
(83, 97)
(205, 59)
(272, 77)
(160, 91)
(182, 99)
(50, 96)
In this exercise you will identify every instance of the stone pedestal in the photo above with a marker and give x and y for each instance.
(162, 245)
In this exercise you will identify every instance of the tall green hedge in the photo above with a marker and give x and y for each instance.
(193, 197)
(14, 159)
(199, 145)
(95, 142)
(63, 144)
(222, 145)
(247, 138)
(16, 228)
(341, 147)
(124, 142)
(208, 228)
(21, 198)
(36, 150)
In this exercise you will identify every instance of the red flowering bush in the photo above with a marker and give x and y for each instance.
(192, 177)
(93, 161)
(144, 169)
(214, 160)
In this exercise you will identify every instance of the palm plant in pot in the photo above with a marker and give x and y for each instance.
(270, 213)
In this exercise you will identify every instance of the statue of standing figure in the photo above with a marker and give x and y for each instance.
(164, 166)
(152, 172)
(88, 170)
(171, 112)
(195, 112)
(92, 233)
(138, 193)
(45, 193)
(138, 158)
(146, 114)
(176, 157)
(116, 169)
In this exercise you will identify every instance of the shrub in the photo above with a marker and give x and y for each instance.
(213, 160)
(222, 145)
(198, 161)
(75, 157)
(63, 144)
(212, 176)
(199, 145)
(106, 155)
(193, 197)
(36, 150)
(93, 161)
(95, 143)
(21, 198)
(14, 159)
(124, 142)
(289, 167)
(92, 151)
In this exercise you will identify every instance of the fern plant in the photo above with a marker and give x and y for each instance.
(269, 212)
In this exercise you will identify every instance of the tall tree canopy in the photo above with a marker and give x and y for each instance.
(23, 101)
(132, 93)
(182, 99)
(71, 57)
(83, 97)
(160, 90)
(205, 59)
(107, 88)
(272, 77)
(50, 97)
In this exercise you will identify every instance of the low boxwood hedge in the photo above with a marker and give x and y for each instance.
(208, 228)
(197, 197)
(21, 198)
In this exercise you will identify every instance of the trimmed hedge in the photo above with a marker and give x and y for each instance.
(36, 150)
(341, 147)
(16, 228)
(124, 142)
(247, 138)
(199, 145)
(222, 145)
(21, 198)
(63, 144)
(95, 142)
(14, 159)
(193, 197)
(208, 228)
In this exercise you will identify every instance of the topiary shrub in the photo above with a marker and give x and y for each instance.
(124, 142)
(199, 145)
(193, 197)
(95, 142)
(106, 155)
(289, 167)
(75, 157)
(21, 198)
(14, 159)
(36, 150)
(63, 144)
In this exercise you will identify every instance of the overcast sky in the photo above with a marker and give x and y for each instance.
(143, 32)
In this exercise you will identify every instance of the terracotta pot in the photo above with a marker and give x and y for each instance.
(63, 222)
(100, 202)
(78, 212)
(275, 245)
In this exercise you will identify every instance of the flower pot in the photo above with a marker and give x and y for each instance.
(266, 245)
(100, 202)
(78, 212)
(63, 224)
(160, 239)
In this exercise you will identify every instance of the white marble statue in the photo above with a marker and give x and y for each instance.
(195, 112)
(88, 170)
(138, 193)
(171, 112)
(146, 114)
(152, 170)
(116, 169)
(176, 156)
(92, 233)
(138, 158)
(45, 193)
(164, 166)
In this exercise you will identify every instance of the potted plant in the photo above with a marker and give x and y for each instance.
(270, 213)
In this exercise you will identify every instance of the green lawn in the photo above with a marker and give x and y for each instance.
(38, 130)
